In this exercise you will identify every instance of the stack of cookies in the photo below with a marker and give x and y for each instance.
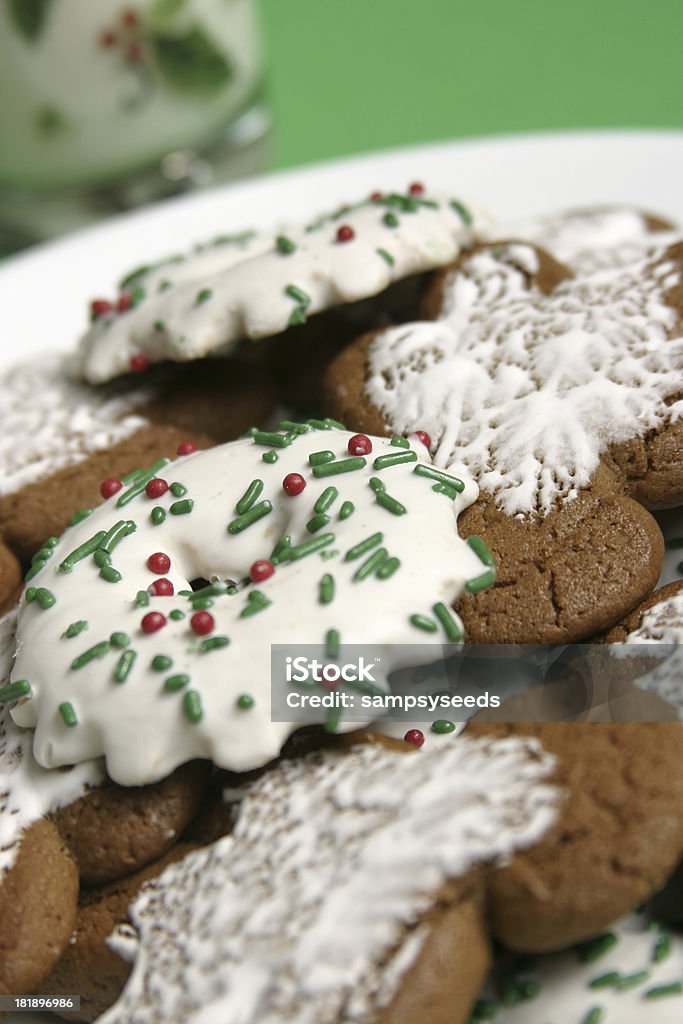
(398, 425)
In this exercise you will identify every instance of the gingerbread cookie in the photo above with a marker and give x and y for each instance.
(57, 449)
(10, 579)
(558, 388)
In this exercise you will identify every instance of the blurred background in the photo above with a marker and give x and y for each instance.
(107, 106)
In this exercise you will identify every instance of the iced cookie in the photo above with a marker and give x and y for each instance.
(61, 439)
(200, 304)
(558, 388)
(618, 836)
(310, 534)
(346, 891)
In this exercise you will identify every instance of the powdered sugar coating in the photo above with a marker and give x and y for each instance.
(51, 421)
(526, 390)
(307, 912)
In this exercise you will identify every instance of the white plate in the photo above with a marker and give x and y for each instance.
(44, 292)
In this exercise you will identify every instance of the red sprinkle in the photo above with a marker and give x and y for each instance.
(359, 444)
(415, 736)
(424, 437)
(107, 40)
(100, 307)
(186, 448)
(345, 233)
(139, 362)
(261, 570)
(159, 563)
(112, 485)
(152, 621)
(202, 623)
(156, 488)
(162, 588)
(124, 303)
(416, 189)
(293, 484)
(376, 197)
(329, 684)
(130, 18)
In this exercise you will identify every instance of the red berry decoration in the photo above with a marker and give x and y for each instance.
(159, 563)
(124, 303)
(139, 363)
(112, 485)
(416, 189)
(345, 233)
(186, 448)
(152, 621)
(293, 484)
(107, 40)
(100, 307)
(261, 570)
(202, 623)
(376, 197)
(424, 438)
(359, 445)
(415, 736)
(130, 18)
(156, 488)
(162, 588)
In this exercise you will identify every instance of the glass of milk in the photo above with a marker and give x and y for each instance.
(105, 105)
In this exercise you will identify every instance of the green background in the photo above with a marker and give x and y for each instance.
(348, 76)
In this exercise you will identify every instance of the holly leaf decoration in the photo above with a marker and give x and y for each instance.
(29, 16)
(191, 63)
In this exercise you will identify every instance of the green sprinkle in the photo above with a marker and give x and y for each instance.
(97, 651)
(270, 437)
(662, 948)
(309, 546)
(370, 565)
(182, 507)
(74, 629)
(594, 1016)
(606, 980)
(30, 595)
(69, 716)
(110, 575)
(347, 509)
(256, 602)
(318, 424)
(317, 522)
(628, 981)
(245, 702)
(280, 551)
(124, 665)
(212, 643)
(332, 641)
(320, 458)
(326, 589)
(137, 295)
(248, 433)
(117, 533)
(365, 545)
(255, 513)
(79, 516)
(376, 484)
(285, 245)
(142, 599)
(298, 295)
(425, 623)
(442, 726)
(446, 489)
(174, 683)
(119, 639)
(34, 570)
(203, 296)
(442, 478)
(192, 706)
(252, 492)
(270, 456)
(390, 219)
(343, 466)
(81, 552)
(178, 490)
(13, 691)
(157, 515)
(160, 662)
(388, 569)
(481, 550)
(482, 582)
(164, 286)
(331, 424)
(675, 988)
(176, 615)
(326, 499)
(45, 598)
(399, 442)
(201, 603)
(297, 317)
(132, 477)
(390, 504)
(140, 483)
(462, 212)
(211, 590)
(386, 256)
(332, 720)
(101, 558)
(592, 950)
(448, 623)
(43, 553)
(484, 1009)
(159, 326)
(386, 461)
(295, 428)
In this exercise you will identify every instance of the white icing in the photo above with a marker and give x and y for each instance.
(247, 297)
(524, 390)
(565, 996)
(27, 791)
(662, 624)
(51, 422)
(142, 730)
(307, 911)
